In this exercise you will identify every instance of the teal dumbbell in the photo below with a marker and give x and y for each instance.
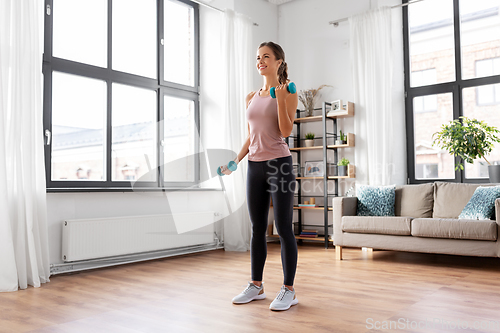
(231, 166)
(292, 89)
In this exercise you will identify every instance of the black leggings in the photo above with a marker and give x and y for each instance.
(273, 178)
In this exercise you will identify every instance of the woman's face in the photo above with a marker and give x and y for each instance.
(266, 61)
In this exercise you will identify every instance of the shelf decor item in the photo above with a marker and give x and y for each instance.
(333, 169)
(308, 98)
(469, 139)
(337, 105)
(309, 139)
(296, 169)
(342, 139)
(314, 169)
(341, 109)
(344, 162)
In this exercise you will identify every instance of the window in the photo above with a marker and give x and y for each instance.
(422, 78)
(121, 103)
(452, 51)
(489, 94)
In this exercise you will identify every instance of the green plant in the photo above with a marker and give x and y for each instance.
(344, 161)
(309, 136)
(466, 138)
(342, 136)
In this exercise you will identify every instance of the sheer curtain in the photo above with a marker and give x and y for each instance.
(380, 154)
(24, 252)
(237, 52)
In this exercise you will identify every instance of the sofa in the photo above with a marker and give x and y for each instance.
(426, 220)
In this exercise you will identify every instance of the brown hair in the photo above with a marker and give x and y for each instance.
(279, 54)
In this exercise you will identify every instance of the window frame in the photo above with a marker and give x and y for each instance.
(109, 76)
(454, 87)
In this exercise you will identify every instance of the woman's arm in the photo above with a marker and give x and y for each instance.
(287, 108)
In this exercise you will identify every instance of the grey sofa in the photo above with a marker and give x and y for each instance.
(426, 221)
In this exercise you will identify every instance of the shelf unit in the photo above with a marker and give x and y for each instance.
(324, 118)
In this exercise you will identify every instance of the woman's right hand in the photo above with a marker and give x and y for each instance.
(225, 170)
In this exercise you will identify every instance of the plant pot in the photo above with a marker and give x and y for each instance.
(342, 170)
(309, 143)
(333, 170)
(494, 173)
(340, 142)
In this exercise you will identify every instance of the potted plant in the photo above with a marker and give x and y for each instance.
(309, 139)
(308, 98)
(342, 139)
(469, 139)
(344, 162)
(333, 169)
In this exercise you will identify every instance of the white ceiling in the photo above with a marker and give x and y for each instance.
(279, 2)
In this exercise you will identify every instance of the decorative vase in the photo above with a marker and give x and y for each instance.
(342, 170)
(309, 142)
(494, 173)
(310, 110)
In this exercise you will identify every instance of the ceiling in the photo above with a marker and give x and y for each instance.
(279, 2)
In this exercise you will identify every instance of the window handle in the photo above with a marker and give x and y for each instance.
(48, 135)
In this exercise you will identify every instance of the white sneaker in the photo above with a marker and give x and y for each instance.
(284, 300)
(250, 293)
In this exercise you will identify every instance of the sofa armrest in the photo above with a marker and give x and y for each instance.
(345, 206)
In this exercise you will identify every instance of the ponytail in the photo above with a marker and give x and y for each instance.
(283, 73)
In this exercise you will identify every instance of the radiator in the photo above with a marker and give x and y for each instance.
(107, 237)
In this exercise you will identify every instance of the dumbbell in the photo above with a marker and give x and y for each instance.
(231, 166)
(292, 89)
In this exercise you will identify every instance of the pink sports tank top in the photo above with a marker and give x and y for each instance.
(266, 141)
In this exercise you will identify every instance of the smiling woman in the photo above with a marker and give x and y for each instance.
(270, 173)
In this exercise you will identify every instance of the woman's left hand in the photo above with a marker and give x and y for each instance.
(281, 92)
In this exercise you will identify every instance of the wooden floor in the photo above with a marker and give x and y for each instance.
(193, 293)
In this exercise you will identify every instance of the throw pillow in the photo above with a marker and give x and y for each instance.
(376, 200)
(481, 205)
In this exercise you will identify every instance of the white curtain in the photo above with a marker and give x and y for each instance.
(380, 154)
(24, 252)
(237, 53)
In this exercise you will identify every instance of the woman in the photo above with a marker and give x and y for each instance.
(270, 174)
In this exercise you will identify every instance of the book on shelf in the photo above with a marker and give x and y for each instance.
(309, 233)
(308, 205)
(309, 236)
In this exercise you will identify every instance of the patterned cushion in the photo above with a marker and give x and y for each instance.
(376, 200)
(482, 204)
